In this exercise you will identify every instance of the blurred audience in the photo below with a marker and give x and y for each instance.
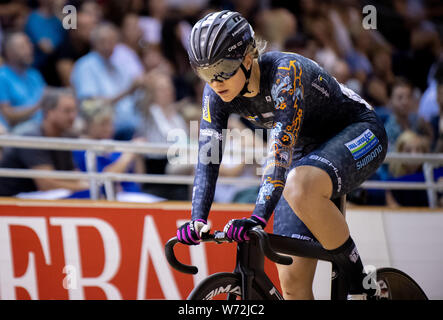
(99, 75)
(403, 115)
(99, 124)
(151, 24)
(429, 107)
(74, 46)
(21, 86)
(437, 119)
(128, 50)
(59, 113)
(132, 55)
(159, 117)
(46, 32)
(177, 32)
(276, 26)
(411, 143)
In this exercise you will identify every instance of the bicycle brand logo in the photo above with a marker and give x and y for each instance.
(236, 290)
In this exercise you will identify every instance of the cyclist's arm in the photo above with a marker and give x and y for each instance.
(287, 94)
(214, 120)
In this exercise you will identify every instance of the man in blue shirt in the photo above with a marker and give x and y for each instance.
(21, 87)
(96, 75)
(46, 33)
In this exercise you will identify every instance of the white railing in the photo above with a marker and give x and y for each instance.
(97, 179)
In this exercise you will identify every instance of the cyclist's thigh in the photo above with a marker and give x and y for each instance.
(351, 156)
(286, 223)
(298, 274)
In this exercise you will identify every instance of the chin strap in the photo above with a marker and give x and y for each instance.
(247, 75)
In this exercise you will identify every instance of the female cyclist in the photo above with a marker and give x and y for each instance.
(325, 141)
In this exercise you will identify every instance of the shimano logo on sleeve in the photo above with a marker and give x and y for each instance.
(378, 150)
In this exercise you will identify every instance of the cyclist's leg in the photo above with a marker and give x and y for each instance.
(296, 279)
(308, 191)
(331, 170)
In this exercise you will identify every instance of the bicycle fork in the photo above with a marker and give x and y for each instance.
(251, 269)
(339, 287)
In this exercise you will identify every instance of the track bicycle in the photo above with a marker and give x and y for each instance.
(249, 280)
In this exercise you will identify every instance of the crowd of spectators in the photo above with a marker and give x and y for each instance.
(120, 71)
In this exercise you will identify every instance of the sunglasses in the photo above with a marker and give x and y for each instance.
(220, 71)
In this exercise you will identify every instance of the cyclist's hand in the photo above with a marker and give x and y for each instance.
(237, 229)
(191, 232)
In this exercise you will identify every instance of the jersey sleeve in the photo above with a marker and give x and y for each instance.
(210, 151)
(287, 93)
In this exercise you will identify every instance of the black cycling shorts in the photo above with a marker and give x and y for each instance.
(349, 158)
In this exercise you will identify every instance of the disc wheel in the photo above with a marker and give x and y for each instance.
(397, 285)
(221, 286)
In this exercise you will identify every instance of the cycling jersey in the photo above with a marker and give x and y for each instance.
(314, 120)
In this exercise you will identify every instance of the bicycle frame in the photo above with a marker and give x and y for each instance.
(250, 260)
(250, 265)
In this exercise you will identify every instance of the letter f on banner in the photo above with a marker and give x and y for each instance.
(8, 282)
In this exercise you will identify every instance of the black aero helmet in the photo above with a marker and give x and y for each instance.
(218, 45)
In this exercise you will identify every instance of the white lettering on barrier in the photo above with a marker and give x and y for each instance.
(8, 282)
(71, 250)
(153, 246)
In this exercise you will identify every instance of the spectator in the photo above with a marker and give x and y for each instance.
(403, 116)
(153, 58)
(91, 7)
(21, 86)
(357, 58)
(13, 14)
(302, 44)
(437, 120)
(411, 143)
(127, 49)
(98, 75)
(381, 78)
(46, 32)
(175, 34)
(159, 117)
(428, 107)
(75, 46)
(99, 125)
(59, 110)
(276, 26)
(152, 24)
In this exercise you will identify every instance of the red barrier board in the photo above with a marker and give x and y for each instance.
(84, 250)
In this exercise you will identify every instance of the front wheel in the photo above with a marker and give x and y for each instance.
(397, 285)
(221, 286)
